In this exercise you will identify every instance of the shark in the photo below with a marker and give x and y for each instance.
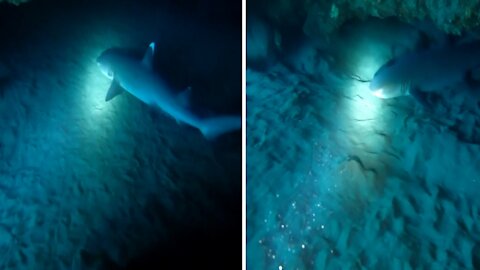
(139, 79)
(428, 70)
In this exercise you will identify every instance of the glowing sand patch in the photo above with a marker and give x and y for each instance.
(96, 86)
(364, 108)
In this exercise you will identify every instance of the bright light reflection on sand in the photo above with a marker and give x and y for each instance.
(96, 87)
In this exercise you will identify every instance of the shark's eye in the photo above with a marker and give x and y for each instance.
(110, 74)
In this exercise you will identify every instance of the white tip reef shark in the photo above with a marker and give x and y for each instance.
(427, 71)
(139, 79)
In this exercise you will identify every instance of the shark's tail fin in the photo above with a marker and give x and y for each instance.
(213, 127)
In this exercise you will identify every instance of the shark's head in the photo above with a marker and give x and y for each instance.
(105, 63)
(388, 83)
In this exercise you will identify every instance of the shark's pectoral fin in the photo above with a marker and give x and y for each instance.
(184, 97)
(148, 56)
(114, 90)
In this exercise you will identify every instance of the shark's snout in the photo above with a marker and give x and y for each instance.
(376, 89)
(379, 93)
(391, 90)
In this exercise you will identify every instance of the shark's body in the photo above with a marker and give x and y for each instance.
(138, 78)
(426, 71)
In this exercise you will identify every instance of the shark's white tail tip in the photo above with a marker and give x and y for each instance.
(212, 128)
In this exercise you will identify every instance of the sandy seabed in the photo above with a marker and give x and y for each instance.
(339, 179)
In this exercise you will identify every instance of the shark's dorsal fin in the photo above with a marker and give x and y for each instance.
(114, 90)
(148, 56)
(184, 97)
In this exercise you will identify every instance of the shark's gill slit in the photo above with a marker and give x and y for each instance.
(406, 87)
